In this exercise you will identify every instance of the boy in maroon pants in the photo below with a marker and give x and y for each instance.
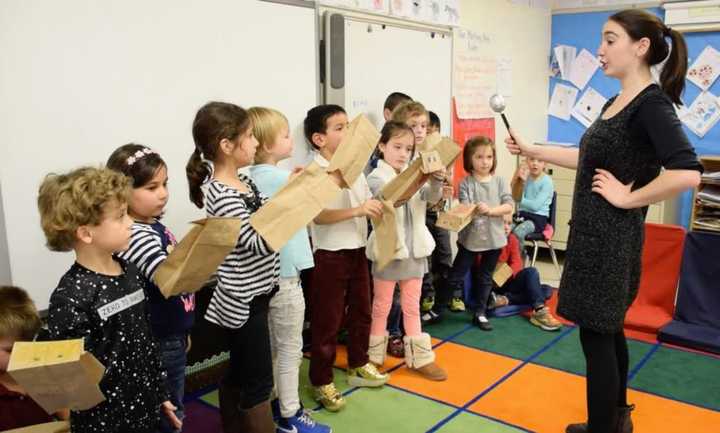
(340, 277)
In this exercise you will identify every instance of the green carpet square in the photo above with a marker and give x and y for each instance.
(468, 422)
(511, 336)
(567, 354)
(452, 323)
(384, 410)
(680, 375)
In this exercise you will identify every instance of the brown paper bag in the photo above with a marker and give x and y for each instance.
(430, 142)
(456, 218)
(407, 183)
(355, 149)
(386, 235)
(57, 374)
(517, 189)
(399, 190)
(48, 427)
(198, 255)
(503, 272)
(431, 161)
(294, 206)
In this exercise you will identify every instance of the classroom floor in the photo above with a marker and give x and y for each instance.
(516, 378)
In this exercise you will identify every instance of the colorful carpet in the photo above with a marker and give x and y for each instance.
(513, 379)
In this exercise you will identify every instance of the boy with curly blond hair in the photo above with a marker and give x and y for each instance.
(101, 299)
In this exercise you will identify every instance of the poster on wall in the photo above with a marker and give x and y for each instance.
(474, 74)
(562, 101)
(380, 6)
(705, 69)
(583, 68)
(463, 130)
(702, 115)
(589, 107)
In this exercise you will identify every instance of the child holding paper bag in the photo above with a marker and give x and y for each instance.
(102, 299)
(150, 244)
(248, 278)
(287, 307)
(19, 321)
(341, 279)
(409, 263)
(485, 235)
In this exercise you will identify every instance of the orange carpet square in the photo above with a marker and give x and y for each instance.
(469, 372)
(544, 400)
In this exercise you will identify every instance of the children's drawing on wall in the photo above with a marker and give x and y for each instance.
(702, 115)
(706, 68)
(588, 108)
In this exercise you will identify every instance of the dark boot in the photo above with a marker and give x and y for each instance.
(229, 398)
(258, 419)
(577, 428)
(625, 424)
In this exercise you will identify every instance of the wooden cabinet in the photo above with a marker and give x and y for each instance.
(564, 181)
(705, 213)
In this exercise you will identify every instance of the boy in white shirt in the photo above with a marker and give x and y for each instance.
(340, 279)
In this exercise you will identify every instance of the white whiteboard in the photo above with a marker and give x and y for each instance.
(79, 78)
(406, 60)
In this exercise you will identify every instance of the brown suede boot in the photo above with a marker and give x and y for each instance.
(420, 357)
(258, 419)
(229, 398)
(432, 371)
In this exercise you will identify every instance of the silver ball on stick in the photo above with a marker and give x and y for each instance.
(497, 103)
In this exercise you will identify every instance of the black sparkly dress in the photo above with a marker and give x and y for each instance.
(111, 314)
(602, 265)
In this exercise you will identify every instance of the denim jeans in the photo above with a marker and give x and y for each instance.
(482, 278)
(525, 288)
(172, 352)
(440, 260)
(287, 310)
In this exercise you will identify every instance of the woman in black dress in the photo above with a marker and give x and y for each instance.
(619, 174)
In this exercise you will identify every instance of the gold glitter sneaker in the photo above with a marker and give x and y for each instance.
(367, 376)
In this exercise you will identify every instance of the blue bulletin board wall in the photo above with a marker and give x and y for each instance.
(582, 30)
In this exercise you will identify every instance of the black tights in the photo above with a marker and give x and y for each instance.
(606, 361)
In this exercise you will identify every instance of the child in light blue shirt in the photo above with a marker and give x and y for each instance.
(534, 207)
(287, 307)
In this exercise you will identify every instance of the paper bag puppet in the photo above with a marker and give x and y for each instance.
(431, 141)
(48, 427)
(57, 374)
(407, 183)
(503, 272)
(355, 149)
(398, 191)
(198, 255)
(430, 162)
(456, 218)
(294, 206)
(305, 196)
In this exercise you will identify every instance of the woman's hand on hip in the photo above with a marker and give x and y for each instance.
(611, 189)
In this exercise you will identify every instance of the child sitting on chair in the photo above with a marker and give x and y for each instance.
(534, 203)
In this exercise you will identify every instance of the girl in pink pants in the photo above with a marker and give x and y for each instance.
(414, 245)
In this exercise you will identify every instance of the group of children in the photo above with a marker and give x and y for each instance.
(111, 218)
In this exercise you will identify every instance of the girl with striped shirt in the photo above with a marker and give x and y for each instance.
(171, 318)
(248, 278)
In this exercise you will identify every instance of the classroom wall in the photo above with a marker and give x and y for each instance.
(82, 77)
(527, 107)
(5, 274)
